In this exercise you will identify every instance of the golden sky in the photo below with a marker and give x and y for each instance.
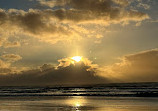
(78, 41)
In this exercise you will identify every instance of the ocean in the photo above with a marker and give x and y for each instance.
(109, 97)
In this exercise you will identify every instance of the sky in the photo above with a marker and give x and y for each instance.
(116, 41)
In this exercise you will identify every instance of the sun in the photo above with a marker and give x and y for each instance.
(77, 58)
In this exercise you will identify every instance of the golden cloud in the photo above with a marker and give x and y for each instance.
(139, 67)
(4, 67)
(11, 57)
(36, 23)
(53, 25)
(69, 61)
(79, 73)
(4, 64)
(1, 42)
(106, 11)
(8, 44)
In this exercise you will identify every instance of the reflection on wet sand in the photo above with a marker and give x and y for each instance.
(78, 104)
(76, 101)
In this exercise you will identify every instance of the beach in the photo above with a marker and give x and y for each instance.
(78, 103)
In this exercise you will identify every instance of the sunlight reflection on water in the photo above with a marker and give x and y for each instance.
(78, 104)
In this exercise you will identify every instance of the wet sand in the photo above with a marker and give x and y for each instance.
(78, 103)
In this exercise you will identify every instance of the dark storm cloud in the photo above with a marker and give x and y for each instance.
(74, 74)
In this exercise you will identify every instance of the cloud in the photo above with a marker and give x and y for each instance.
(4, 67)
(139, 67)
(1, 42)
(35, 23)
(106, 11)
(4, 42)
(52, 3)
(76, 73)
(59, 24)
(4, 64)
(9, 44)
(143, 5)
(11, 57)
(122, 2)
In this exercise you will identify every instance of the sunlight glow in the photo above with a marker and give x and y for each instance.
(77, 105)
(77, 58)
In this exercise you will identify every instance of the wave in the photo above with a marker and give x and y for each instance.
(109, 90)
